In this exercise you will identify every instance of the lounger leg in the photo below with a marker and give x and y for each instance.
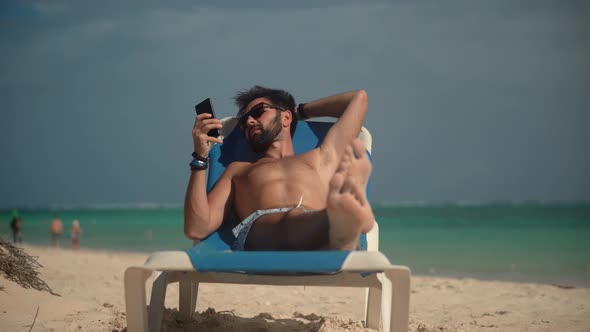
(373, 308)
(188, 291)
(395, 308)
(135, 301)
(156, 311)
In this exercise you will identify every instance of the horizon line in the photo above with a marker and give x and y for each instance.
(154, 206)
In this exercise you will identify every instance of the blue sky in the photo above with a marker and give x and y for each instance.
(468, 100)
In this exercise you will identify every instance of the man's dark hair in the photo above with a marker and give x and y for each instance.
(280, 98)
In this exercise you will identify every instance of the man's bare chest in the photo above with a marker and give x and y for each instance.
(278, 182)
(273, 170)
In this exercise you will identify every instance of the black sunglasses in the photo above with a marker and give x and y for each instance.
(256, 112)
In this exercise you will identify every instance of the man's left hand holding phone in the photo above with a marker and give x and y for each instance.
(205, 131)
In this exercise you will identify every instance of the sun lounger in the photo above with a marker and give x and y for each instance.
(212, 261)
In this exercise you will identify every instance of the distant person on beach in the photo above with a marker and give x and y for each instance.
(315, 200)
(76, 234)
(56, 229)
(16, 227)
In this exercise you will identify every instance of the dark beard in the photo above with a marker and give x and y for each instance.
(261, 142)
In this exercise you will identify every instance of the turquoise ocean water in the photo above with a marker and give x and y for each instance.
(547, 243)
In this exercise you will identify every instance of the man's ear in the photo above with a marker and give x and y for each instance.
(287, 118)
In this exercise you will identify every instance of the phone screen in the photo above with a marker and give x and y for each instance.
(206, 107)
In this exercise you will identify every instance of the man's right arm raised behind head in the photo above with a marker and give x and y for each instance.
(350, 108)
(204, 213)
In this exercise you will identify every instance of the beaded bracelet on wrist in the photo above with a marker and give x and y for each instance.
(199, 163)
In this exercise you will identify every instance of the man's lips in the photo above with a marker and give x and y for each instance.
(253, 130)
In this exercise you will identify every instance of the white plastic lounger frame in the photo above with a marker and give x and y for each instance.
(387, 296)
(388, 293)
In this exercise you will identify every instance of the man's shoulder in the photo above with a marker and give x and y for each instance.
(237, 166)
(311, 155)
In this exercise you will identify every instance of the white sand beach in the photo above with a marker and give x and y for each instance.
(91, 287)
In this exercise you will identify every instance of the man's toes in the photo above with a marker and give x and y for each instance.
(343, 166)
(348, 151)
(359, 149)
(347, 156)
(348, 186)
(336, 182)
(360, 195)
(362, 163)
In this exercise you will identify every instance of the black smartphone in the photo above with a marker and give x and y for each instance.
(206, 107)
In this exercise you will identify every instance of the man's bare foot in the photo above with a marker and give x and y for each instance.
(349, 212)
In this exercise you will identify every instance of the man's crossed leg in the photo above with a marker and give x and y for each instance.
(338, 227)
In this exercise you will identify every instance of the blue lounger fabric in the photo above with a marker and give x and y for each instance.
(282, 262)
(214, 253)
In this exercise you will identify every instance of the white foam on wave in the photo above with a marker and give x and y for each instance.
(114, 206)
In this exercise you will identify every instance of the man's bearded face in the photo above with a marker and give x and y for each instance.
(261, 141)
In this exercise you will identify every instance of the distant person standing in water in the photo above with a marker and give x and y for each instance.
(56, 229)
(16, 227)
(75, 234)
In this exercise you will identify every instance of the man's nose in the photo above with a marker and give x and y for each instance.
(250, 121)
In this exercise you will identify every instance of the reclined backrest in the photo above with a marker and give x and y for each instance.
(308, 136)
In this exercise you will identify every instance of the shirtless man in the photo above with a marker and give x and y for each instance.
(56, 229)
(315, 200)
